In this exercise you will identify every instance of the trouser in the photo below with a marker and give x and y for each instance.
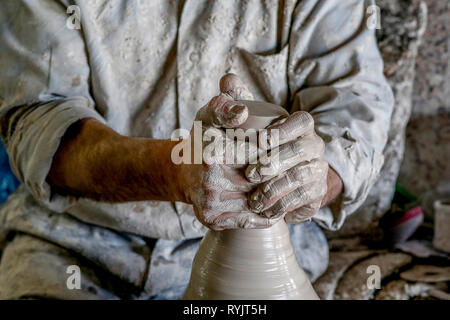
(33, 268)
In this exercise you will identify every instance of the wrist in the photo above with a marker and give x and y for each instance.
(165, 178)
(335, 187)
(177, 175)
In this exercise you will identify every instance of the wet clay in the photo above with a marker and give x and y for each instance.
(249, 263)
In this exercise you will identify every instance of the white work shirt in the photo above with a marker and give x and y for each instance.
(146, 67)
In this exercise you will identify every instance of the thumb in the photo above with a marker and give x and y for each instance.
(233, 86)
(223, 112)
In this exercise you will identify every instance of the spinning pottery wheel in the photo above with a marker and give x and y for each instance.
(249, 264)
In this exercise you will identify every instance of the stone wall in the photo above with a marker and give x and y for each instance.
(425, 170)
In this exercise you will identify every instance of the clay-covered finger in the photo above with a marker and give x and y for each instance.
(234, 181)
(299, 197)
(271, 191)
(233, 86)
(219, 148)
(222, 111)
(285, 157)
(218, 202)
(303, 213)
(242, 220)
(296, 125)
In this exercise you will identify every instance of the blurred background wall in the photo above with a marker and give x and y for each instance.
(425, 170)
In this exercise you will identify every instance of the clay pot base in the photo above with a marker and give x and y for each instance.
(249, 264)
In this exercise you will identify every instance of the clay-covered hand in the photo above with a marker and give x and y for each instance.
(293, 184)
(219, 191)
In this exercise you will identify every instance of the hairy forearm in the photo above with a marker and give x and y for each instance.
(96, 162)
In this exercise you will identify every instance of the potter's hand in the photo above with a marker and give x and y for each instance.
(295, 183)
(218, 191)
(223, 111)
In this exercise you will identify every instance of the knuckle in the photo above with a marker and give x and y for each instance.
(286, 183)
(302, 194)
(294, 174)
(295, 147)
(271, 189)
(304, 118)
(283, 204)
(300, 173)
(265, 188)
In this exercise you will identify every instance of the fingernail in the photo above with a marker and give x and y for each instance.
(235, 113)
(237, 109)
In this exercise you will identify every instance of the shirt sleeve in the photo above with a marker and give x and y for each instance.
(335, 72)
(44, 88)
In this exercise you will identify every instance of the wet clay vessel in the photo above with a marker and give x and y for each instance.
(249, 264)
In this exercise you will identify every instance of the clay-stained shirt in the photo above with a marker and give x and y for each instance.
(145, 67)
